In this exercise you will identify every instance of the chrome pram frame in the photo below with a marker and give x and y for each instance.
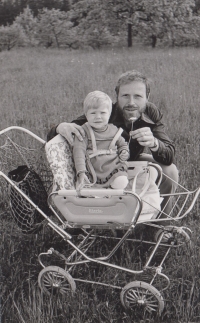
(135, 294)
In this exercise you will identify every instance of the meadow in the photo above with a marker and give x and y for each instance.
(40, 88)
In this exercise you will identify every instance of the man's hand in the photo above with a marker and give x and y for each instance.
(144, 136)
(69, 130)
(124, 155)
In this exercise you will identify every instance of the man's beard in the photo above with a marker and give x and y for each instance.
(131, 111)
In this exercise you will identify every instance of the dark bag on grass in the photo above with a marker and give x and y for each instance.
(25, 215)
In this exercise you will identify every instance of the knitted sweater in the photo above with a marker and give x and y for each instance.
(106, 166)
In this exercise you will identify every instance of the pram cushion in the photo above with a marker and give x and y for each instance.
(145, 187)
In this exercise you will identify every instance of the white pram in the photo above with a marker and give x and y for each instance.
(117, 213)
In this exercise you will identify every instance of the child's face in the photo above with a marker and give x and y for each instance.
(98, 117)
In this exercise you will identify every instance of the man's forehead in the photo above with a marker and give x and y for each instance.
(133, 86)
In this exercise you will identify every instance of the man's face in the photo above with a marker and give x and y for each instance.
(132, 99)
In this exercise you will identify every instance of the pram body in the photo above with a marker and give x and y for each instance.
(99, 214)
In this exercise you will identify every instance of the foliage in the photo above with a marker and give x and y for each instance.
(197, 6)
(53, 27)
(172, 21)
(98, 23)
(10, 36)
(37, 5)
(10, 9)
(154, 20)
(28, 24)
(90, 23)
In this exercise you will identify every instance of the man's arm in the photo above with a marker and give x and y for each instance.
(150, 132)
(68, 130)
(166, 149)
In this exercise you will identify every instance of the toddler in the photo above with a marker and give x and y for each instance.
(103, 150)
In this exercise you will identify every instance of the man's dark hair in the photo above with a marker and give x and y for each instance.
(131, 76)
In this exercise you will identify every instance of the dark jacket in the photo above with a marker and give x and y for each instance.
(150, 118)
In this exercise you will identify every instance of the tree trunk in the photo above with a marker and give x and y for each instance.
(129, 34)
(56, 39)
(154, 40)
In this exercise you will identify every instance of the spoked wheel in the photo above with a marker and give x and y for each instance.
(54, 280)
(144, 299)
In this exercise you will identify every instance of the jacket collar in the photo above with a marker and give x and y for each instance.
(145, 118)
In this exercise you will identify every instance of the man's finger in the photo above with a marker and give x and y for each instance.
(141, 130)
(80, 129)
(141, 133)
(70, 139)
(78, 134)
(143, 137)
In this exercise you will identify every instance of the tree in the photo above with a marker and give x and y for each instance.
(8, 12)
(153, 19)
(97, 23)
(167, 20)
(37, 5)
(53, 27)
(91, 24)
(28, 24)
(197, 6)
(121, 15)
(10, 36)
(10, 9)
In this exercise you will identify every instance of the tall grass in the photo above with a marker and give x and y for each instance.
(40, 88)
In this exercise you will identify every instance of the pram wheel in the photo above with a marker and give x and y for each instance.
(54, 280)
(142, 298)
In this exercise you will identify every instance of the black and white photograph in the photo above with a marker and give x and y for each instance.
(99, 161)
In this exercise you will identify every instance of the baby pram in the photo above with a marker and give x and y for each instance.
(94, 214)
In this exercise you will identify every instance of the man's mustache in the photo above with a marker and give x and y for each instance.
(133, 107)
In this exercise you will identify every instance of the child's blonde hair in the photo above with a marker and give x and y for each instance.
(93, 99)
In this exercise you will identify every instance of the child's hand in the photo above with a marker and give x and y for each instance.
(124, 155)
(82, 181)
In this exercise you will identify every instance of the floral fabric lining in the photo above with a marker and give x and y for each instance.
(59, 155)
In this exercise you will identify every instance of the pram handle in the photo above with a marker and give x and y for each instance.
(89, 192)
(24, 130)
(139, 163)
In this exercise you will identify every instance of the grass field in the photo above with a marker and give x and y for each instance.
(40, 88)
